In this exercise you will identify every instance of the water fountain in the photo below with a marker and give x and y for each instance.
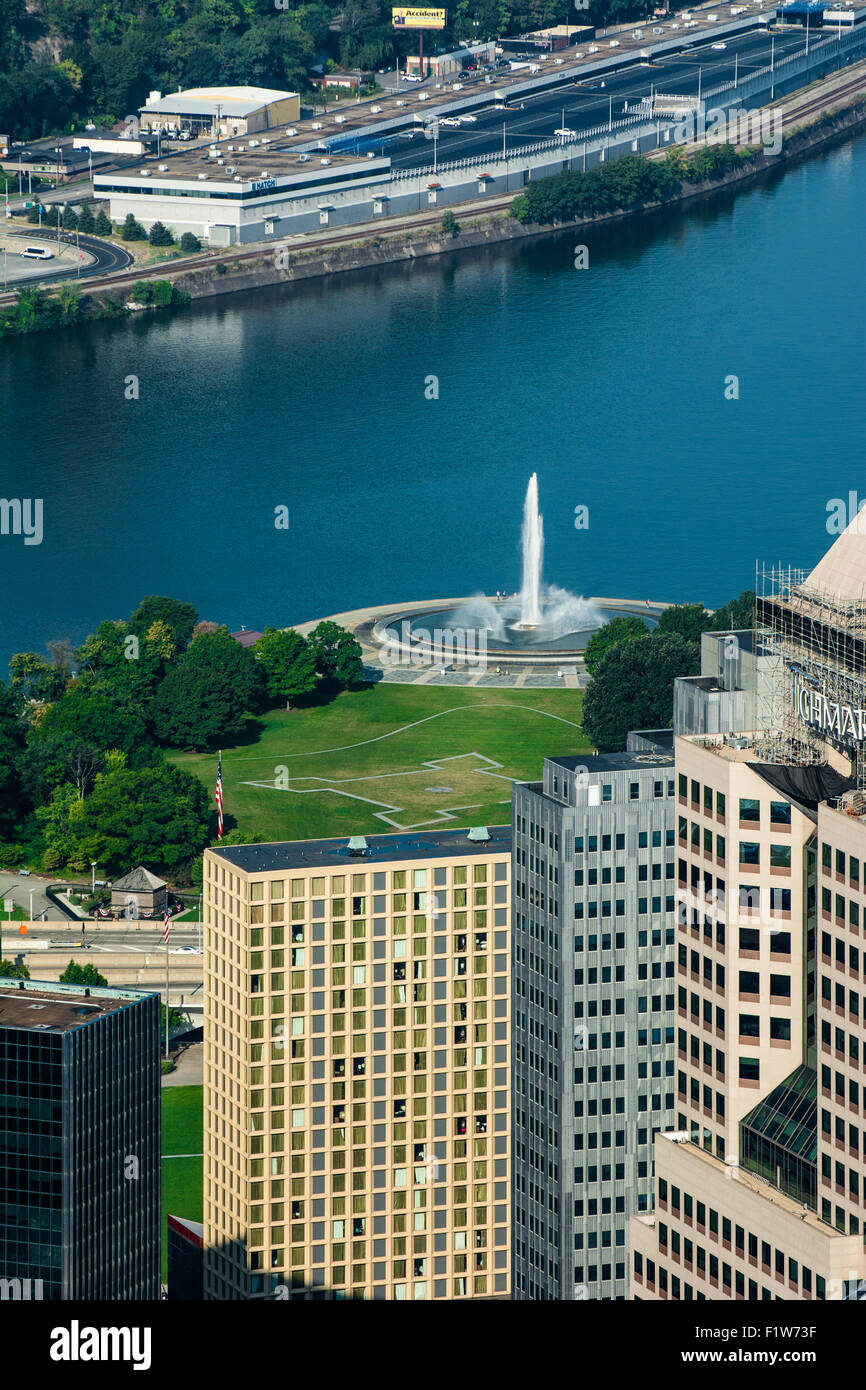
(540, 623)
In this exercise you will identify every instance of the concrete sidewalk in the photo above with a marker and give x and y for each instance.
(190, 1067)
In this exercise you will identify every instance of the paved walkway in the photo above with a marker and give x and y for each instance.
(492, 673)
(190, 1067)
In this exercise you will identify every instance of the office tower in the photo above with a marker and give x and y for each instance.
(760, 1191)
(357, 1070)
(79, 1142)
(593, 1026)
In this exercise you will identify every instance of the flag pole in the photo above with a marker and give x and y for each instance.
(165, 940)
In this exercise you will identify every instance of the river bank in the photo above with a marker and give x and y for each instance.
(259, 269)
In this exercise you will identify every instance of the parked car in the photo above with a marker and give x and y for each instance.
(411, 77)
(449, 120)
(37, 253)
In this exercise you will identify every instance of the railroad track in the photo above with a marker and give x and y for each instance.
(347, 238)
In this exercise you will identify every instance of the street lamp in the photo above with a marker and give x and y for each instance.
(93, 864)
(31, 903)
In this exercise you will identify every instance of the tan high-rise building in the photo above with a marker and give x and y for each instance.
(357, 1067)
(760, 1192)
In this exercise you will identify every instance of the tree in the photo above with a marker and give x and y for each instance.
(181, 617)
(75, 974)
(10, 971)
(688, 619)
(86, 220)
(102, 226)
(202, 702)
(11, 753)
(158, 816)
(738, 614)
(56, 819)
(337, 653)
(628, 629)
(633, 688)
(160, 235)
(72, 739)
(32, 678)
(288, 662)
(70, 218)
(189, 242)
(132, 230)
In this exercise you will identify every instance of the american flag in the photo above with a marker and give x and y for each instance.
(219, 797)
(165, 926)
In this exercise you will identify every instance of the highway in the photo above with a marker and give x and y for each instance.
(592, 104)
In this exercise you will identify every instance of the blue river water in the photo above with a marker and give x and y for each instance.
(609, 382)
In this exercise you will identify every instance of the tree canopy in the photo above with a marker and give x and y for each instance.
(627, 629)
(633, 688)
(288, 661)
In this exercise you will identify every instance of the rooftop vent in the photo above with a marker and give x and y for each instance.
(357, 845)
(479, 832)
(36, 1006)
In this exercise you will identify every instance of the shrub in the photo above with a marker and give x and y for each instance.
(190, 242)
(103, 226)
(450, 225)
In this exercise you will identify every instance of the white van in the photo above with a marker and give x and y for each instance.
(38, 253)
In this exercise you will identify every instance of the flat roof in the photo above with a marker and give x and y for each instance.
(381, 849)
(232, 101)
(615, 762)
(47, 1007)
(244, 165)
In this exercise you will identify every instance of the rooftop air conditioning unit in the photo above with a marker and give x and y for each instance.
(303, 159)
(238, 179)
(145, 173)
(163, 168)
(324, 161)
(202, 176)
(265, 140)
(240, 148)
(338, 120)
(375, 110)
(231, 169)
(220, 161)
(357, 845)
(479, 832)
(254, 144)
(290, 130)
(317, 125)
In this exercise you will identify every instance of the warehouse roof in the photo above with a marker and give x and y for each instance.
(232, 101)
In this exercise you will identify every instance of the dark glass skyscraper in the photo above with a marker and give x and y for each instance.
(79, 1142)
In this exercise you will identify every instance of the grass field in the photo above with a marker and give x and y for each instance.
(181, 1177)
(391, 757)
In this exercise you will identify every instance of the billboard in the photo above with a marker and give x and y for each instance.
(418, 19)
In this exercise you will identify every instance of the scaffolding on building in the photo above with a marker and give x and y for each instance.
(820, 639)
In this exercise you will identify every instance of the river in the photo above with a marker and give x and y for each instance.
(610, 382)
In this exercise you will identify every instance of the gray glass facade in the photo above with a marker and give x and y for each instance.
(593, 1038)
(79, 1142)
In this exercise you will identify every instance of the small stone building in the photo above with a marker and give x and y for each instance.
(141, 887)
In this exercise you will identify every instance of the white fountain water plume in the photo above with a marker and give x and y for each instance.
(532, 542)
(540, 612)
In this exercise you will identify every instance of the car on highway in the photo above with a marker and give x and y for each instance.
(565, 134)
(184, 951)
(449, 120)
(466, 120)
(718, 45)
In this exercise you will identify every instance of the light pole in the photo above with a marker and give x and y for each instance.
(610, 112)
(93, 864)
(772, 67)
(31, 904)
(807, 33)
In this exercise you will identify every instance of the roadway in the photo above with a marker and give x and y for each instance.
(593, 101)
(103, 257)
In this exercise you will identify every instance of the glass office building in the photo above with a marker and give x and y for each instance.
(79, 1142)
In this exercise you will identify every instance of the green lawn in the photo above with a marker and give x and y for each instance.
(181, 1177)
(374, 743)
